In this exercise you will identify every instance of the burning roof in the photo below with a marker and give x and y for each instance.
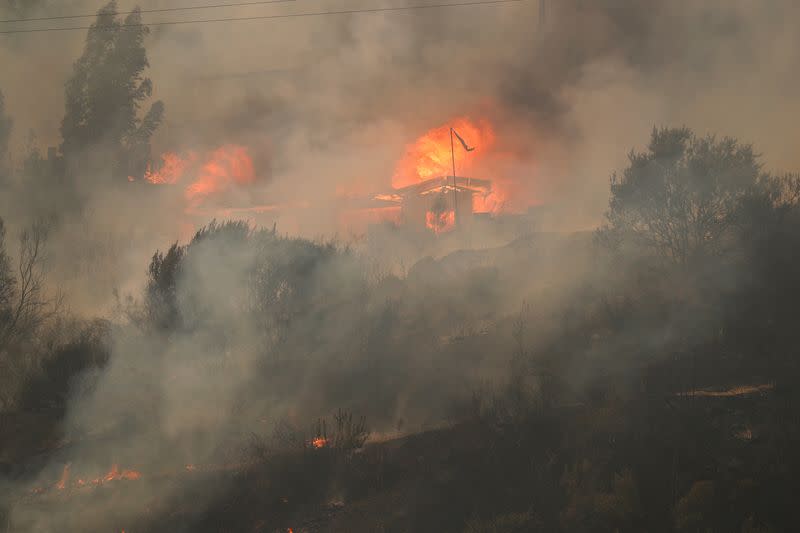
(446, 183)
(430, 155)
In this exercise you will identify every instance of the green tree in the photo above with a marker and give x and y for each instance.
(679, 198)
(101, 125)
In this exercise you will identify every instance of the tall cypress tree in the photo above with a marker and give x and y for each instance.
(5, 136)
(102, 128)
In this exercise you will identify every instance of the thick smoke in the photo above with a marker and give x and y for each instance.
(328, 104)
(334, 99)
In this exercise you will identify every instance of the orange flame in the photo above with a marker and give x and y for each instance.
(429, 156)
(319, 442)
(440, 222)
(115, 474)
(489, 203)
(227, 165)
(215, 172)
(172, 170)
(62, 483)
(112, 475)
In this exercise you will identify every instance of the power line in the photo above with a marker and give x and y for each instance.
(161, 10)
(268, 17)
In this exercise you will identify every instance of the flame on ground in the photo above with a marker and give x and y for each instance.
(117, 474)
(319, 442)
(62, 483)
(429, 156)
(114, 474)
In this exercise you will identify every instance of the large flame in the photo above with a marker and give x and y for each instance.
(430, 155)
(226, 166)
(211, 173)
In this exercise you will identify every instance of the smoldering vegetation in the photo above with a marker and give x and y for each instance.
(243, 333)
(638, 376)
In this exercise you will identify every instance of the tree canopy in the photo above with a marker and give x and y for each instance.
(102, 124)
(6, 124)
(680, 197)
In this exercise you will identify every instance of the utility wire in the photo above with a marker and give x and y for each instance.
(269, 17)
(161, 10)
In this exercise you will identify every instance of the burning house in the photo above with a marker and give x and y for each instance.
(424, 196)
(439, 204)
(428, 192)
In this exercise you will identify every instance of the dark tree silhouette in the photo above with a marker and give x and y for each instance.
(102, 126)
(6, 124)
(161, 306)
(679, 198)
(7, 281)
(25, 306)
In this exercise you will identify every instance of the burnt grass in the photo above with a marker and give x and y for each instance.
(562, 468)
(643, 462)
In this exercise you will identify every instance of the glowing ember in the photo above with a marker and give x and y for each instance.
(429, 156)
(440, 222)
(319, 442)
